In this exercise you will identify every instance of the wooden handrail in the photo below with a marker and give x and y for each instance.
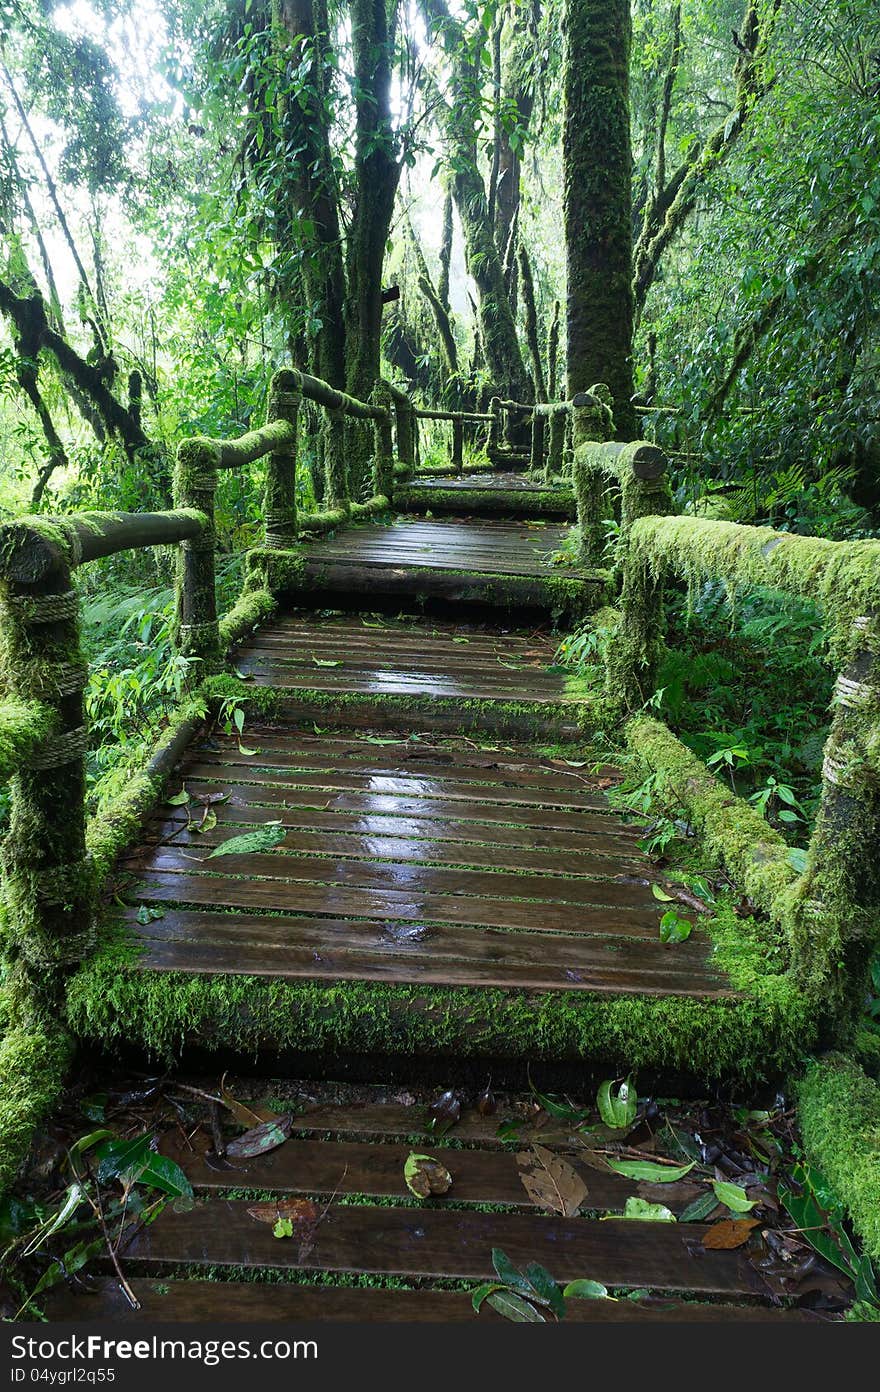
(31, 548)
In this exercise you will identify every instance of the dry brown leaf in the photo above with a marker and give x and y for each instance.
(729, 1233)
(247, 1116)
(551, 1182)
(297, 1210)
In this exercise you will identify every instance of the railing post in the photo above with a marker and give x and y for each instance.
(404, 424)
(457, 444)
(279, 497)
(591, 421)
(195, 485)
(536, 457)
(835, 924)
(556, 445)
(383, 456)
(493, 437)
(47, 879)
(335, 469)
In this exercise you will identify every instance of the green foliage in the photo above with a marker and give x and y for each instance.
(840, 1121)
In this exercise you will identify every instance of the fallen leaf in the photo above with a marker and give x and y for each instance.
(260, 1139)
(617, 1109)
(445, 1112)
(293, 1210)
(729, 1233)
(513, 1307)
(551, 1182)
(247, 1116)
(425, 1176)
(649, 1212)
(649, 1171)
(265, 838)
(586, 1290)
(733, 1195)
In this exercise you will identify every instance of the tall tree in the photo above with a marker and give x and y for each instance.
(598, 201)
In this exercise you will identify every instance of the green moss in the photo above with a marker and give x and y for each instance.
(844, 577)
(23, 726)
(502, 502)
(118, 823)
(33, 1063)
(732, 830)
(253, 608)
(275, 570)
(840, 1123)
(529, 718)
(745, 1036)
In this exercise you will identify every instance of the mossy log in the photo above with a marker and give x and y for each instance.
(334, 400)
(733, 831)
(32, 548)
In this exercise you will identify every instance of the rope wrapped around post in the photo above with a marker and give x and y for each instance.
(47, 880)
(197, 632)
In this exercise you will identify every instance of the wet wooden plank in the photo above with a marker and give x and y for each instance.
(449, 838)
(359, 1167)
(614, 890)
(382, 682)
(290, 962)
(338, 901)
(399, 845)
(283, 798)
(188, 1302)
(406, 785)
(286, 752)
(320, 948)
(451, 1243)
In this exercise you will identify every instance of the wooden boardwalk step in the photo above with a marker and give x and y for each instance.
(507, 564)
(431, 864)
(221, 1302)
(348, 1161)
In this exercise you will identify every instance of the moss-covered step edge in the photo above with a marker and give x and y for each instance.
(839, 1112)
(575, 718)
(567, 598)
(495, 502)
(765, 1029)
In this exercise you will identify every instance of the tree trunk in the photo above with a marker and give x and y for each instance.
(597, 201)
(301, 29)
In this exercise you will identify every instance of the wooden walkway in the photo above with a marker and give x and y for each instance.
(407, 862)
(491, 562)
(342, 1152)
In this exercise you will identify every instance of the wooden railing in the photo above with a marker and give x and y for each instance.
(829, 912)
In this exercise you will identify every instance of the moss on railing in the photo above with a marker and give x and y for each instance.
(839, 1108)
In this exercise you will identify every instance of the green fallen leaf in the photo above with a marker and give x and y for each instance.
(699, 1209)
(735, 1197)
(648, 1212)
(248, 753)
(283, 1228)
(546, 1288)
(674, 929)
(425, 1176)
(179, 799)
(649, 1171)
(660, 893)
(586, 1290)
(481, 1292)
(514, 1307)
(326, 661)
(265, 838)
(617, 1109)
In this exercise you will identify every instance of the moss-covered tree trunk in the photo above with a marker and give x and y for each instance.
(597, 201)
(300, 37)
